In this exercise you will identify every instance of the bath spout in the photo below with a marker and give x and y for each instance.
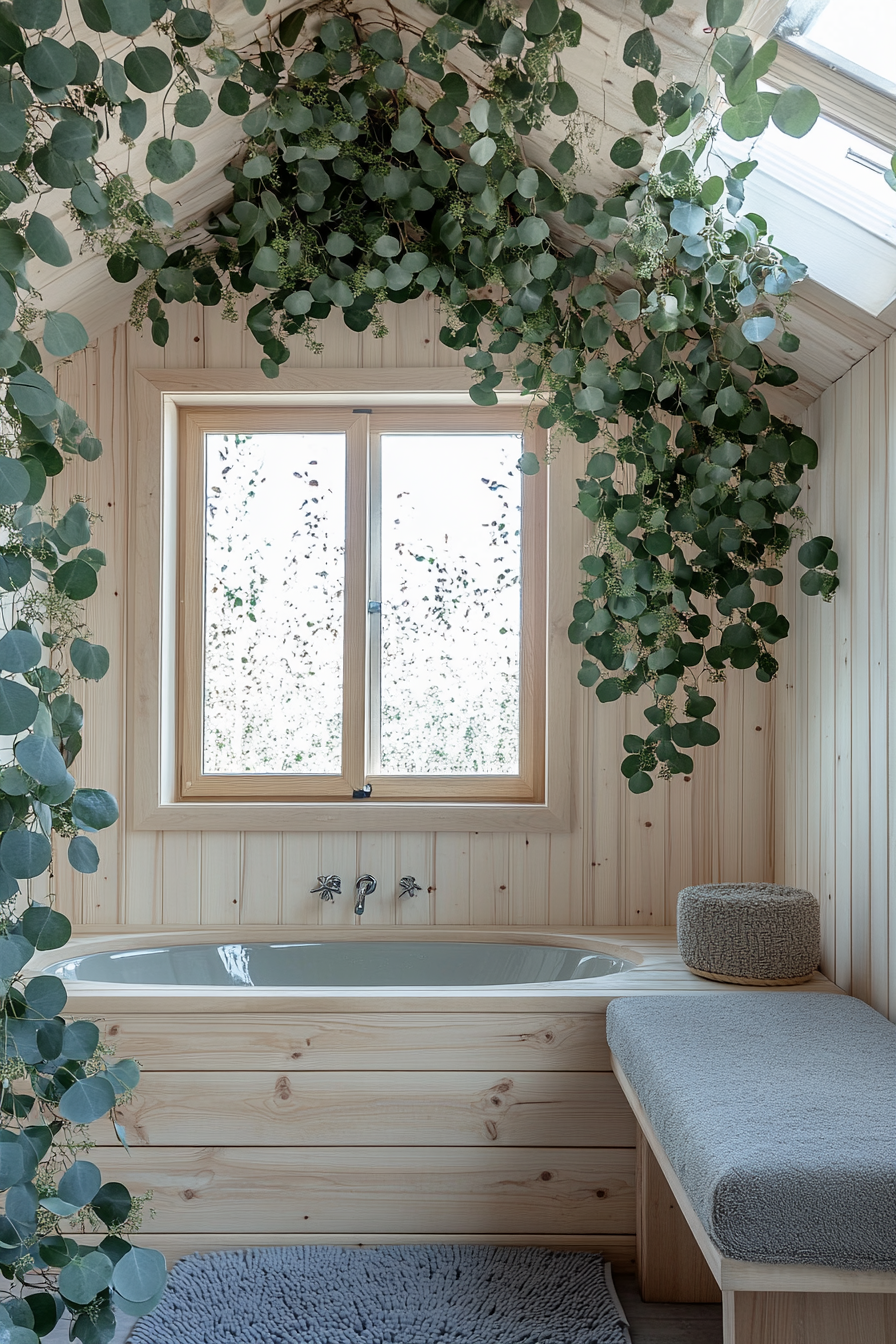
(365, 886)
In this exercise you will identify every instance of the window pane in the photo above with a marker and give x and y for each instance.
(274, 577)
(859, 34)
(451, 556)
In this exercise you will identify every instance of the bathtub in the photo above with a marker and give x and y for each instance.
(358, 964)
(374, 1085)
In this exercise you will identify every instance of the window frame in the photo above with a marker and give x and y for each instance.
(155, 801)
(363, 429)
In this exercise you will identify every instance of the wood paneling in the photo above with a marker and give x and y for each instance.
(625, 858)
(670, 1265)
(413, 1108)
(836, 749)
(809, 1318)
(559, 1191)
(618, 1248)
(570, 1042)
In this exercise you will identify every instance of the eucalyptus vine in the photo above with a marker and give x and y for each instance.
(375, 170)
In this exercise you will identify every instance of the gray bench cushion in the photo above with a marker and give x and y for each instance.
(778, 1113)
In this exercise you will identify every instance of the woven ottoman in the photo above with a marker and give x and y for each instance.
(749, 933)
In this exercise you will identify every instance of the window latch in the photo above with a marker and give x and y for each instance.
(363, 793)
(374, 608)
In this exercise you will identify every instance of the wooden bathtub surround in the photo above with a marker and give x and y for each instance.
(267, 1117)
(761, 1303)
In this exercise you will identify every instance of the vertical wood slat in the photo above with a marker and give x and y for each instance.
(837, 833)
(878, 603)
(890, 728)
(611, 863)
(859, 729)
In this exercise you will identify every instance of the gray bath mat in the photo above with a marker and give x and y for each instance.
(387, 1295)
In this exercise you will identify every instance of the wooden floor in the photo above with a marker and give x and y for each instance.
(667, 1323)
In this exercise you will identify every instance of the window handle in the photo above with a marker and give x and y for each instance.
(408, 886)
(374, 608)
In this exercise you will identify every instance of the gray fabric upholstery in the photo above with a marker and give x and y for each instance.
(778, 1114)
(749, 930)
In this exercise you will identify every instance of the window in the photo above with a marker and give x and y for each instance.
(825, 200)
(363, 605)
(854, 36)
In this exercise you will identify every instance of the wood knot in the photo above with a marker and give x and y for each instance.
(505, 1085)
(600, 1194)
(491, 1129)
(113, 1031)
(282, 1089)
(548, 1036)
(189, 1194)
(296, 1054)
(545, 1175)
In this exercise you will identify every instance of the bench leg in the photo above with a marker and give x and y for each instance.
(809, 1318)
(670, 1265)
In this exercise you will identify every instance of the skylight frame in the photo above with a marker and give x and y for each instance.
(791, 28)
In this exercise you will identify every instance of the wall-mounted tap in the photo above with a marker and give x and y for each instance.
(365, 886)
(328, 885)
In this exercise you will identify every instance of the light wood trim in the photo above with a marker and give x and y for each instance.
(151, 793)
(251, 1043)
(618, 1249)
(194, 422)
(409, 1191)
(410, 1108)
(745, 1275)
(319, 386)
(808, 1318)
(670, 1266)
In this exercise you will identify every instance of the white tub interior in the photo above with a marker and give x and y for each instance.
(308, 965)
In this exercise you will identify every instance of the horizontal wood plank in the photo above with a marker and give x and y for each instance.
(407, 1108)
(411, 1191)
(618, 1249)
(250, 1042)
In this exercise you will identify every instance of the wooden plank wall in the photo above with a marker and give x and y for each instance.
(836, 747)
(626, 858)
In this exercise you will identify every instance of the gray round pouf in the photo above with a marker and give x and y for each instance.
(749, 933)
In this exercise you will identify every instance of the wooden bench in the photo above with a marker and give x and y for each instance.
(763, 1301)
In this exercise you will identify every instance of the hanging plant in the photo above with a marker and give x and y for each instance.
(374, 170)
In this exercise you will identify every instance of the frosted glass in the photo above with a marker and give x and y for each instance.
(274, 582)
(451, 571)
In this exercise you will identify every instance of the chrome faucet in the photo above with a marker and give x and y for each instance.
(365, 886)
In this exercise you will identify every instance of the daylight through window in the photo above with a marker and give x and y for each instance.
(363, 604)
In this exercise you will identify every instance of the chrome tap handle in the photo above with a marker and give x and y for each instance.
(328, 885)
(408, 887)
(365, 886)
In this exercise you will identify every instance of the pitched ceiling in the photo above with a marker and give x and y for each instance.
(834, 333)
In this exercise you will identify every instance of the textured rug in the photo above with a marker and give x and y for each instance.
(387, 1295)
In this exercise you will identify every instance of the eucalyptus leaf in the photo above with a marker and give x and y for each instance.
(169, 160)
(23, 853)
(64, 335)
(46, 241)
(796, 111)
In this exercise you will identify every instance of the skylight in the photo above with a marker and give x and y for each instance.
(825, 201)
(855, 36)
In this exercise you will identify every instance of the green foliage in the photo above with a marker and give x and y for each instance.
(362, 184)
(354, 190)
(58, 102)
